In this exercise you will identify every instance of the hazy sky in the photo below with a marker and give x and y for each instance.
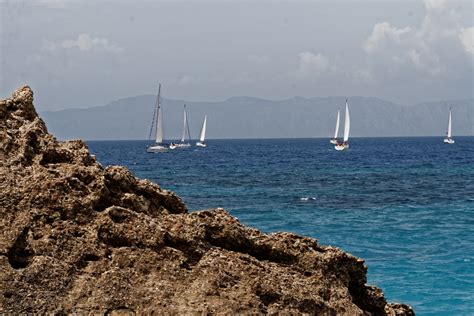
(87, 53)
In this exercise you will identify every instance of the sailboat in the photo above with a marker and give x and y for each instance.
(202, 134)
(334, 140)
(184, 142)
(448, 139)
(157, 123)
(347, 126)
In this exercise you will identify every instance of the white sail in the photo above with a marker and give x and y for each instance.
(202, 134)
(159, 120)
(185, 124)
(337, 123)
(449, 124)
(347, 124)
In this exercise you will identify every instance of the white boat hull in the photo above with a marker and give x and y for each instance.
(180, 145)
(186, 145)
(341, 146)
(333, 141)
(200, 144)
(449, 141)
(156, 149)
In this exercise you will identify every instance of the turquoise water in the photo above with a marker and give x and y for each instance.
(405, 205)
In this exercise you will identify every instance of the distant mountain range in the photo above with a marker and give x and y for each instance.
(248, 117)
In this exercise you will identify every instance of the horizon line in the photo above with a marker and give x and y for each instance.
(264, 138)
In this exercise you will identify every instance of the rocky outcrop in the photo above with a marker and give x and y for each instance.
(76, 237)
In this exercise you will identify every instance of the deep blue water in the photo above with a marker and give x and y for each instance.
(405, 205)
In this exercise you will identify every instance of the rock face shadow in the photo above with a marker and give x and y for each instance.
(20, 254)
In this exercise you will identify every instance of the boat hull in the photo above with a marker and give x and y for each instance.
(333, 141)
(156, 149)
(200, 144)
(177, 146)
(449, 141)
(186, 145)
(341, 146)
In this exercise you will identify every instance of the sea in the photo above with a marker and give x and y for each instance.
(404, 205)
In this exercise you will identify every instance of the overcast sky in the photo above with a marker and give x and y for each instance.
(87, 53)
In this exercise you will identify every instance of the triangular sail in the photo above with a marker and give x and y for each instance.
(185, 120)
(347, 124)
(187, 124)
(202, 134)
(159, 119)
(337, 123)
(186, 132)
(449, 124)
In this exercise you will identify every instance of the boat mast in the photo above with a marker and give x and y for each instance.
(184, 125)
(154, 126)
(449, 124)
(187, 123)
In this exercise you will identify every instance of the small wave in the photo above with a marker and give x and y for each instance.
(307, 198)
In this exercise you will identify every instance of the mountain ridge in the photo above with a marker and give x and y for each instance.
(250, 117)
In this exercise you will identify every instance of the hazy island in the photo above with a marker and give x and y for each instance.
(247, 117)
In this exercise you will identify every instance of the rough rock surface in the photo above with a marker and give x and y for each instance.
(76, 237)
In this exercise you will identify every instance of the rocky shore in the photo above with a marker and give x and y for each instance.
(78, 238)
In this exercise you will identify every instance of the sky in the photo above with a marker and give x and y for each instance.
(87, 53)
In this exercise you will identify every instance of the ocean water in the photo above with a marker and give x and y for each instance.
(405, 205)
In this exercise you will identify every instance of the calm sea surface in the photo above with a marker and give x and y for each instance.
(405, 205)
